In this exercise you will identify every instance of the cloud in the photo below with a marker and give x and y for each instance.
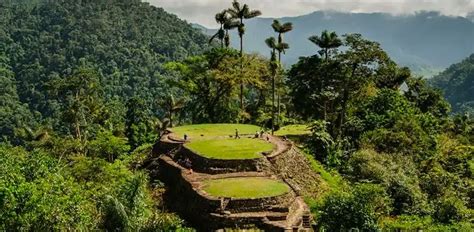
(202, 11)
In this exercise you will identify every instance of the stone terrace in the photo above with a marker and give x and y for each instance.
(183, 171)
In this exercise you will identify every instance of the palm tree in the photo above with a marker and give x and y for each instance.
(241, 12)
(172, 106)
(327, 41)
(229, 25)
(222, 19)
(281, 29)
(271, 43)
(281, 46)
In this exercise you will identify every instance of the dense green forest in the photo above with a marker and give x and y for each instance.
(457, 83)
(87, 87)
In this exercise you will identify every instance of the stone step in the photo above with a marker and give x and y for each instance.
(277, 216)
(281, 209)
(307, 221)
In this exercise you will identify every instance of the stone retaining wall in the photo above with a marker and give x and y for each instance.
(197, 207)
(294, 168)
(219, 166)
(173, 175)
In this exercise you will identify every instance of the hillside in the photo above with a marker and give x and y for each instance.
(457, 83)
(426, 42)
(124, 43)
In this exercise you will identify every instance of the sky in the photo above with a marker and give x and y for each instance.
(203, 11)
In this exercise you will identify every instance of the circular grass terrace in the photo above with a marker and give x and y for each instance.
(230, 149)
(211, 131)
(245, 187)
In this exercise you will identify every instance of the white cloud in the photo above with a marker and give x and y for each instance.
(202, 11)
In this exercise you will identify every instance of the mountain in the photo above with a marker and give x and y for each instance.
(121, 43)
(457, 83)
(427, 42)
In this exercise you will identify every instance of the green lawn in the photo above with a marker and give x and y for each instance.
(293, 130)
(245, 187)
(209, 131)
(228, 149)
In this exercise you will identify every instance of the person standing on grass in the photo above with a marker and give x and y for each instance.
(237, 134)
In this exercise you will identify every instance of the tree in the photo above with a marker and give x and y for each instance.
(172, 106)
(241, 12)
(210, 82)
(281, 29)
(139, 123)
(81, 95)
(222, 19)
(360, 209)
(271, 43)
(327, 42)
(281, 47)
(108, 146)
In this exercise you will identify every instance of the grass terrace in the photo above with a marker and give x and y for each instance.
(211, 131)
(245, 187)
(230, 149)
(292, 130)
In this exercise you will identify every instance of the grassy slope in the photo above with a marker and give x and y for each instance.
(293, 130)
(209, 131)
(253, 187)
(244, 148)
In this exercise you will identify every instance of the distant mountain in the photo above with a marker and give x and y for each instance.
(457, 83)
(427, 42)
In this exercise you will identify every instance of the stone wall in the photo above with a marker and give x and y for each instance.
(294, 168)
(197, 207)
(219, 166)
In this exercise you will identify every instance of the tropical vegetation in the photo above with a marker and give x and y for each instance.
(87, 88)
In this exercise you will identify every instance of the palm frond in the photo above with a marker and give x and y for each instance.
(236, 5)
(252, 14)
(271, 42)
(315, 39)
(286, 27)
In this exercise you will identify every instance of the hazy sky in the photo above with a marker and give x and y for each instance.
(202, 11)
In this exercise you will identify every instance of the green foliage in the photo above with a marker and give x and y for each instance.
(456, 83)
(42, 192)
(16, 120)
(361, 208)
(371, 131)
(139, 124)
(35, 194)
(76, 63)
(108, 146)
(211, 82)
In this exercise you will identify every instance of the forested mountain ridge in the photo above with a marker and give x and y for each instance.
(124, 43)
(81, 87)
(427, 42)
(457, 83)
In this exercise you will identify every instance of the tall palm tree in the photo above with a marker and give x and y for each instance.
(221, 19)
(281, 29)
(272, 44)
(241, 12)
(327, 41)
(281, 46)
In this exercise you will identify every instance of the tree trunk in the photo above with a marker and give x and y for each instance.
(273, 102)
(278, 94)
(241, 69)
(345, 98)
(171, 116)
